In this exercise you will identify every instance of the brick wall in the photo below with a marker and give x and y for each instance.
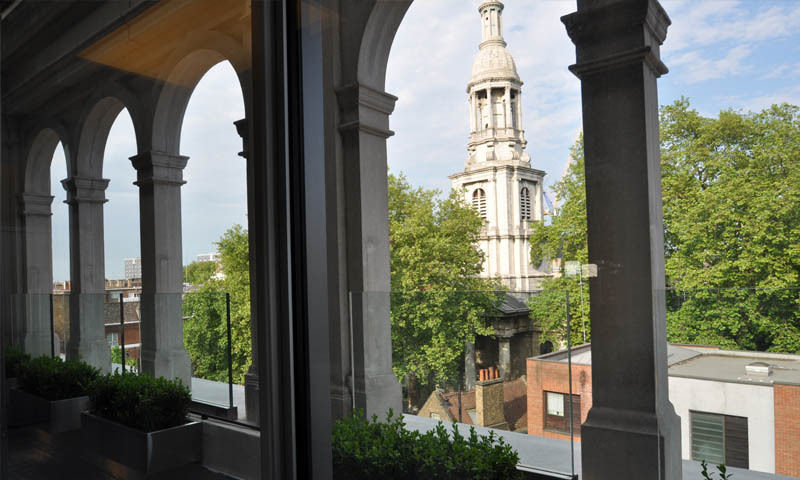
(787, 429)
(544, 376)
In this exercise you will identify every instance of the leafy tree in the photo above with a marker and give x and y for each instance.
(563, 238)
(198, 273)
(116, 357)
(732, 226)
(205, 330)
(438, 301)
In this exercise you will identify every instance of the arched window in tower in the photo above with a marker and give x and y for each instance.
(479, 202)
(525, 203)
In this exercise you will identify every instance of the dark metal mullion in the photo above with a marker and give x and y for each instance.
(297, 246)
(3, 301)
(271, 257)
(308, 248)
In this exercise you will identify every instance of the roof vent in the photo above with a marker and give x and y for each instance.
(758, 368)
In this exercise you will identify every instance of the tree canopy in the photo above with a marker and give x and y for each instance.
(731, 188)
(198, 273)
(563, 238)
(438, 302)
(731, 225)
(205, 330)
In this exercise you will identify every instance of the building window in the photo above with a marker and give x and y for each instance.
(525, 203)
(719, 439)
(479, 202)
(436, 416)
(113, 339)
(556, 416)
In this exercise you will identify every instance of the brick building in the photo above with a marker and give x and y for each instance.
(737, 408)
(492, 403)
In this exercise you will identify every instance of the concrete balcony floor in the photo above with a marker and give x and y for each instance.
(36, 455)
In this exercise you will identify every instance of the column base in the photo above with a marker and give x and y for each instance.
(95, 352)
(376, 395)
(251, 405)
(87, 341)
(341, 401)
(630, 444)
(168, 364)
(36, 337)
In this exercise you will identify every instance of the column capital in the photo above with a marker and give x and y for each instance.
(35, 204)
(85, 190)
(613, 33)
(365, 109)
(243, 129)
(161, 168)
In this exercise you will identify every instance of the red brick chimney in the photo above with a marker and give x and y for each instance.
(489, 400)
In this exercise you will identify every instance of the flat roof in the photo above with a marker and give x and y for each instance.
(708, 363)
(729, 366)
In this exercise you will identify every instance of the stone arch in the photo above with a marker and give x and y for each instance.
(39, 160)
(93, 135)
(376, 43)
(366, 381)
(198, 53)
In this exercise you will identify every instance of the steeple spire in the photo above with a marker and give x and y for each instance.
(492, 22)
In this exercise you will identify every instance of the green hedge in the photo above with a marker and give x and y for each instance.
(369, 449)
(140, 401)
(14, 361)
(55, 379)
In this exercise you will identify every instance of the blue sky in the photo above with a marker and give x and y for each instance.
(721, 54)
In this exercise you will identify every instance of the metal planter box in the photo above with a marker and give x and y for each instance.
(145, 452)
(62, 415)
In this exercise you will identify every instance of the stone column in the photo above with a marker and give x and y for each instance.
(507, 111)
(469, 366)
(159, 178)
(519, 109)
(632, 430)
(85, 197)
(36, 213)
(364, 127)
(504, 356)
(251, 377)
(492, 107)
(473, 115)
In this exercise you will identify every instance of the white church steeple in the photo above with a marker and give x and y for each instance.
(498, 179)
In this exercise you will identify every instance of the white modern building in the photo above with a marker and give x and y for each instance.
(498, 180)
(209, 257)
(133, 268)
(737, 408)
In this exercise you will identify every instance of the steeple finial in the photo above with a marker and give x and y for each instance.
(491, 22)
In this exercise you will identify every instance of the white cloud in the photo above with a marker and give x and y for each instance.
(698, 68)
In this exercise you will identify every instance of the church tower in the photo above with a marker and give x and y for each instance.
(498, 180)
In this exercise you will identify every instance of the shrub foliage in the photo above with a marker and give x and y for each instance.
(140, 401)
(14, 360)
(369, 449)
(55, 379)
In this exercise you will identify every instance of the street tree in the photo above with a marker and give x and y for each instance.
(438, 301)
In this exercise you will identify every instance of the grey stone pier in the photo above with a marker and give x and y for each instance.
(364, 127)
(469, 366)
(251, 377)
(632, 430)
(159, 178)
(504, 356)
(36, 212)
(87, 341)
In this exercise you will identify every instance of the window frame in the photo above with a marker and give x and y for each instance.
(560, 424)
(728, 423)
